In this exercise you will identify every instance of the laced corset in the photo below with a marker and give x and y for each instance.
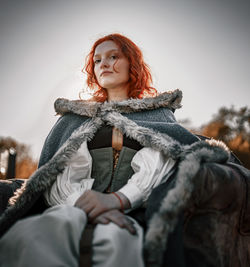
(109, 136)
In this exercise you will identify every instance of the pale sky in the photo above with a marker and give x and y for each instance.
(198, 46)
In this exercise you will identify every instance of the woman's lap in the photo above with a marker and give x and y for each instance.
(54, 236)
(115, 246)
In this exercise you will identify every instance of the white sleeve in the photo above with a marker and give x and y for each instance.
(74, 181)
(150, 169)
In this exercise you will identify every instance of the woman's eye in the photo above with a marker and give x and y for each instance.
(113, 57)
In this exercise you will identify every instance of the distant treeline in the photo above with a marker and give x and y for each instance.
(231, 126)
(25, 164)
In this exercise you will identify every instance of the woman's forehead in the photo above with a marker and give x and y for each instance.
(105, 47)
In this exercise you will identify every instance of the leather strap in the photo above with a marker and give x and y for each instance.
(117, 139)
(86, 246)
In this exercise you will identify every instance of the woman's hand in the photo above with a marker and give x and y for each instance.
(116, 217)
(95, 203)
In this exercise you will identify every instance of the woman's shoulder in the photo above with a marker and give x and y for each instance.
(154, 115)
(59, 133)
(71, 118)
(67, 123)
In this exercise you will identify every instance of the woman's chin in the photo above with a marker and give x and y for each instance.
(109, 86)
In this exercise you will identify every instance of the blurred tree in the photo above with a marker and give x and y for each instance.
(232, 127)
(25, 165)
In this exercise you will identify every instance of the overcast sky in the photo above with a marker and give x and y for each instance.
(198, 46)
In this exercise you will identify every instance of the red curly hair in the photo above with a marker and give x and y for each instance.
(140, 78)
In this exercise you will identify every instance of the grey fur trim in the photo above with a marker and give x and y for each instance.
(45, 176)
(145, 136)
(164, 221)
(170, 99)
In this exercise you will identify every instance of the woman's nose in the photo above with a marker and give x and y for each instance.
(104, 63)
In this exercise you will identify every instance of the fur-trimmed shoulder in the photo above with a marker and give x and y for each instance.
(171, 99)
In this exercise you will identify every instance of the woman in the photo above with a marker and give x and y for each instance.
(102, 159)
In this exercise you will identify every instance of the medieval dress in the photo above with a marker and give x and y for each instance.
(72, 162)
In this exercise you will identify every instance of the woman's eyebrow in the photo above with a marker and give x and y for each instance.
(107, 52)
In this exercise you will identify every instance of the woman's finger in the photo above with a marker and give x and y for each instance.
(121, 220)
(85, 207)
(94, 212)
(101, 219)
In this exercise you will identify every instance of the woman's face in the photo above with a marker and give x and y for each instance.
(111, 67)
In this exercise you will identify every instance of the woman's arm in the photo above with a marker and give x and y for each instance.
(151, 168)
(74, 181)
(72, 186)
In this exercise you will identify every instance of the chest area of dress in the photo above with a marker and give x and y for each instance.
(111, 154)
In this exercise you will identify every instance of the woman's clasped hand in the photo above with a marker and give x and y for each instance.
(104, 208)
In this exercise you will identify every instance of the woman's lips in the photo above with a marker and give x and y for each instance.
(104, 73)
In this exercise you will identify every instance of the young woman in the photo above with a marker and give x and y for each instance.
(98, 165)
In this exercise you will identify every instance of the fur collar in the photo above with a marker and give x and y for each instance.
(171, 99)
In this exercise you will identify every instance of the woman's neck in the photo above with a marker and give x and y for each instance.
(117, 94)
